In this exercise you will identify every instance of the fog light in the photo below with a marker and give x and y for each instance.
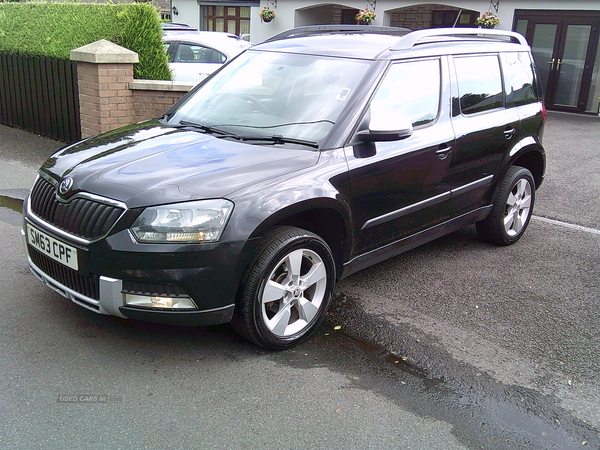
(144, 301)
(162, 302)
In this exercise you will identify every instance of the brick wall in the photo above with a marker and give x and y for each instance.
(153, 98)
(109, 97)
(417, 17)
(104, 96)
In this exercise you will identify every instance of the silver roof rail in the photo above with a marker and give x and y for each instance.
(350, 29)
(411, 39)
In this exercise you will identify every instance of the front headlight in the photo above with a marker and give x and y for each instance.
(200, 221)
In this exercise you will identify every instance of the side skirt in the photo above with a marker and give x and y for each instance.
(415, 240)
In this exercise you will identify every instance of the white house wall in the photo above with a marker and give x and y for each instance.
(288, 16)
(188, 13)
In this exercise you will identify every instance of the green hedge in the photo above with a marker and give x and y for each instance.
(54, 29)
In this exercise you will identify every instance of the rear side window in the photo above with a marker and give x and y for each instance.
(196, 53)
(519, 79)
(479, 83)
(411, 89)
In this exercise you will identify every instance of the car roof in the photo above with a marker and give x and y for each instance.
(360, 46)
(221, 41)
(207, 36)
(170, 28)
(176, 26)
(367, 42)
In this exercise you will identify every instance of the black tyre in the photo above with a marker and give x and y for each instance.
(512, 208)
(287, 290)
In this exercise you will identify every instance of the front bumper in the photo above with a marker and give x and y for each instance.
(83, 249)
(107, 295)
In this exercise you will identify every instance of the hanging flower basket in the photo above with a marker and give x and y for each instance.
(488, 20)
(365, 16)
(266, 14)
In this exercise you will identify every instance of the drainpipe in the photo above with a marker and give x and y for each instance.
(457, 17)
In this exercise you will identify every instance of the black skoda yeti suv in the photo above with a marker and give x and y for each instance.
(308, 157)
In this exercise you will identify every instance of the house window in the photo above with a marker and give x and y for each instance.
(231, 19)
(453, 19)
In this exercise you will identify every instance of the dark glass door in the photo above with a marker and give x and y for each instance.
(564, 47)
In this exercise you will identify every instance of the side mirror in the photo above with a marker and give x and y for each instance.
(382, 129)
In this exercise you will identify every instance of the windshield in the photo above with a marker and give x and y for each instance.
(277, 96)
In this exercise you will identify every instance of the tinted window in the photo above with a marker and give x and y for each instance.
(479, 83)
(411, 89)
(520, 79)
(194, 53)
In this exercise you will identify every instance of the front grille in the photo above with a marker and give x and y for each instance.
(83, 217)
(87, 286)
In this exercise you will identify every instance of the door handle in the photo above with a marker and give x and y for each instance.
(443, 153)
(554, 61)
(509, 133)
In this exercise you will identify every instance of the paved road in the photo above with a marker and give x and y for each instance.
(458, 344)
(525, 316)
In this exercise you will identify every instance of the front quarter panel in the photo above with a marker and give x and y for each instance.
(265, 205)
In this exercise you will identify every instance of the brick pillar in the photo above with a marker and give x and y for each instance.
(104, 71)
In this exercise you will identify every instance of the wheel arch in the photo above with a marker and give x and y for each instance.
(533, 159)
(324, 218)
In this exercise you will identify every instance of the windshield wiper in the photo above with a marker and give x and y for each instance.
(207, 129)
(277, 139)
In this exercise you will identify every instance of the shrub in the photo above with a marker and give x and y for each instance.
(54, 29)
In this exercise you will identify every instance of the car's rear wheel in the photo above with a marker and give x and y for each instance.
(288, 288)
(512, 209)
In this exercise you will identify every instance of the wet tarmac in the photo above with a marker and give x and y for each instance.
(484, 400)
(482, 412)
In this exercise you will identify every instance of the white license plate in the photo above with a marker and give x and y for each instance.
(53, 248)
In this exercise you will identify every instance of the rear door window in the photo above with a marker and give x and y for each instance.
(196, 53)
(479, 83)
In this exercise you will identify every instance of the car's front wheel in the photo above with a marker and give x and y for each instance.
(512, 209)
(288, 288)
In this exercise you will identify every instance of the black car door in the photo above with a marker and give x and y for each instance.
(485, 129)
(404, 187)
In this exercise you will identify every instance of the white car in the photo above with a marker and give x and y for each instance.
(194, 56)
